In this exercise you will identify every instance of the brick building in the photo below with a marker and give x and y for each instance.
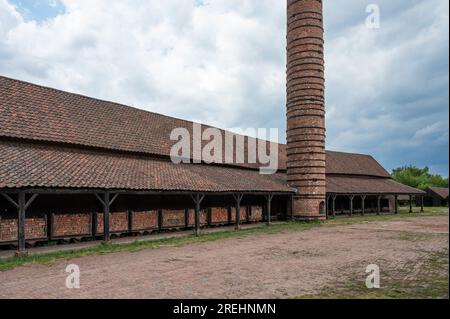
(78, 167)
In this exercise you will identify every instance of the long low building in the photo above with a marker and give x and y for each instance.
(78, 167)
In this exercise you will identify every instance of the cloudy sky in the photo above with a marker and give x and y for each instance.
(222, 62)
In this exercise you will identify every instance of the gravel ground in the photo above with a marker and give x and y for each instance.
(280, 265)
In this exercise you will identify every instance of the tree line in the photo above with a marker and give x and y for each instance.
(420, 178)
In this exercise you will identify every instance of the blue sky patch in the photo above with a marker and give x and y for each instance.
(39, 10)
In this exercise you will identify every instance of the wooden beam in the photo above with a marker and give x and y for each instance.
(351, 197)
(410, 204)
(186, 217)
(421, 204)
(396, 204)
(269, 199)
(130, 222)
(160, 220)
(94, 224)
(197, 198)
(21, 249)
(106, 210)
(327, 203)
(9, 199)
(378, 205)
(238, 199)
(334, 196)
(363, 204)
(49, 218)
(30, 201)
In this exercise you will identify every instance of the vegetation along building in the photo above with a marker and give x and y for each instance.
(74, 167)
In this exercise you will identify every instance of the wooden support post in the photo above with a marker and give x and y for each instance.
(106, 210)
(334, 206)
(363, 205)
(50, 226)
(378, 205)
(21, 225)
(230, 215)
(197, 198)
(292, 207)
(209, 217)
(327, 211)
(396, 204)
(352, 197)
(269, 199)
(22, 205)
(238, 199)
(130, 222)
(160, 220)
(106, 201)
(93, 224)
(186, 218)
(421, 204)
(410, 204)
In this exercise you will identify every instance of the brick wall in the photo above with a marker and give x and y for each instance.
(243, 214)
(66, 225)
(145, 220)
(219, 215)
(118, 222)
(35, 228)
(174, 218)
(203, 217)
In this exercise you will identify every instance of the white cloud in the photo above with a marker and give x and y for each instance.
(223, 62)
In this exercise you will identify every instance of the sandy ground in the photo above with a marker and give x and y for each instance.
(280, 265)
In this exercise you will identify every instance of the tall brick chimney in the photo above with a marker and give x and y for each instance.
(306, 108)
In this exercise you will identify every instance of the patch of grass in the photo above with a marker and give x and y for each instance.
(48, 258)
(430, 281)
(415, 237)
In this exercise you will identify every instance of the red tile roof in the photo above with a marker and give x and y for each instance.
(35, 112)
(440, 191)
(39, 113)
(367, 185)
(100, 144)
(49, 166)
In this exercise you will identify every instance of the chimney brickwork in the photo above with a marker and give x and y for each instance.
(306, 108)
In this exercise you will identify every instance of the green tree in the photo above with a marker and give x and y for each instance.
(418, 177)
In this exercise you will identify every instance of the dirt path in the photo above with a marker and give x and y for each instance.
(280, 265)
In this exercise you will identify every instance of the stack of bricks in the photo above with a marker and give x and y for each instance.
(66, 225)
(203, 217)
(243, 214)
(145, 220)
(118, 222)
(256, 214)
(306, 108)
(174, 218)
(35, 228)
(219, 215)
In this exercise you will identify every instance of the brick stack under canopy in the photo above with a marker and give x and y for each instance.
(306, 107)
